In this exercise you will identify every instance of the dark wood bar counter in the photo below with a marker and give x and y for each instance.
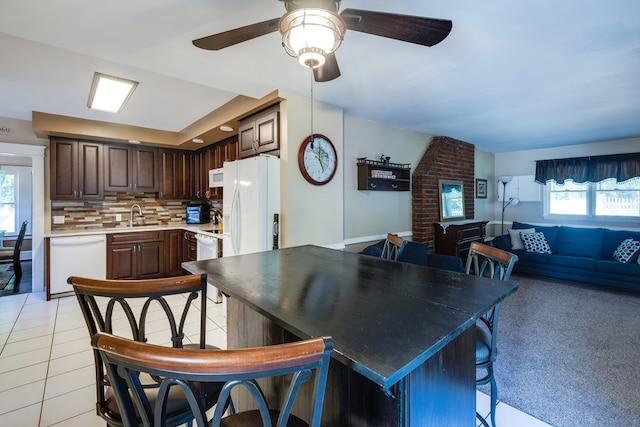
(401, 332)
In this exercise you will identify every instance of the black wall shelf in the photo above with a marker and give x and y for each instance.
(383, 176)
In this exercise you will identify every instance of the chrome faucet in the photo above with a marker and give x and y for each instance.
(131, 213)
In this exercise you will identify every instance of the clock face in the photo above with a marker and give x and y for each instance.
(317, 159)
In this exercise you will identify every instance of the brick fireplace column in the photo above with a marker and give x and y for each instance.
(445, 158)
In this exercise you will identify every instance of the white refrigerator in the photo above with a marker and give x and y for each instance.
(250, 200)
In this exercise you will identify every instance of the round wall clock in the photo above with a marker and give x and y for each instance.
(317, 159)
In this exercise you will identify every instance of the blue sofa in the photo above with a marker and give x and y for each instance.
(583, 255)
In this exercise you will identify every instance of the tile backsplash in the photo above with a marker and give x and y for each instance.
(98, 214)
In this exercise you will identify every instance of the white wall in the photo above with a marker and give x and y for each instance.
(484, 169)
(310, 214)
(523, 163)
(337, 213)
(370, 214)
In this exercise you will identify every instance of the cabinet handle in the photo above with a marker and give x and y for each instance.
(207, 194)
(185, 235)
(372, 185)
(75, 194)
(394, 186)
(198, 194)
(81, 194)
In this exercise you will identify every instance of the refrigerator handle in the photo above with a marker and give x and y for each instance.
(235, 221)
(276, 230)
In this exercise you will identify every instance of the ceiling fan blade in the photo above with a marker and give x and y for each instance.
(329, 69)
(412, 29)
(237, 35)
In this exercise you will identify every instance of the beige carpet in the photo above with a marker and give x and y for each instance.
(569, 354)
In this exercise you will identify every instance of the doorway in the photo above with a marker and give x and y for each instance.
(33, 156)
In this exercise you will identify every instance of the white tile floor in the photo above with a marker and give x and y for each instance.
(46, 365)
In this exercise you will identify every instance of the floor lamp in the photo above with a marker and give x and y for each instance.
(505, 179)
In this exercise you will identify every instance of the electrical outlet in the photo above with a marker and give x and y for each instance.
(118, 217)
(58, 219)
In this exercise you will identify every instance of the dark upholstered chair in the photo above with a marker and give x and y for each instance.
(177, 368)
(418, 253)
(495, 263)
(142, 311)
(13, 254)
(392, 247)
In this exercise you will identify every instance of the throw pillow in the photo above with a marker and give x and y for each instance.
(516, 241)
(627, 250)
(535, 242)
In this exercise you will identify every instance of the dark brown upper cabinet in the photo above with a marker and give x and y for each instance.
(260, 133)
(76, 170)
(176, 180)
(130, 168)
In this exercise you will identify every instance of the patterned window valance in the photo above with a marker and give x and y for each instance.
(589, 169)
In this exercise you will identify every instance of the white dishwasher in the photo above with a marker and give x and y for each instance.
(84, 256)
(207, 248)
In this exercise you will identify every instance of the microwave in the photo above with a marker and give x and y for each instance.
(198, 213)
(215, 178)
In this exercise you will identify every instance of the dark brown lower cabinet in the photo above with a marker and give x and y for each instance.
(138, 255)
(173, 242)
(190, 247)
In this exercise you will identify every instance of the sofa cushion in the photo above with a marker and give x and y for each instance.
(535, 242)
(586, 242)
(627, 251)
(532, 257)
(615, 267)
(613, 238)
(514, 235)
(550, 232)
(582, 263)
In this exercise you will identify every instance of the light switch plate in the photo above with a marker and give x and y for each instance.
(58, 219)
(118, 217)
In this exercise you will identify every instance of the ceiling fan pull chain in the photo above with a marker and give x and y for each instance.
(311, 137)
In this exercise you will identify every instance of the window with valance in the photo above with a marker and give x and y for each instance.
(596, 186)
(589, 169)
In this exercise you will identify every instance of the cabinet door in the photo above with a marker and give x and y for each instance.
(117, 168)
(121, 261)
(190, 248)
(246, 139)
(64, 171)
(267, 136)
(168, 181)
(150, 260)
(202, 174)
(90, 175)
(185, 178)
(173, 252)
(231, 151)
(145, 169)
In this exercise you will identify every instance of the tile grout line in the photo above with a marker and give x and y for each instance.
(46, 378)
(24, 302)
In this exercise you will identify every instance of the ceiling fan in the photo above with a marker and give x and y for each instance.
(312, 30)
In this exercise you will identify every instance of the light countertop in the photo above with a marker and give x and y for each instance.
(206, 229)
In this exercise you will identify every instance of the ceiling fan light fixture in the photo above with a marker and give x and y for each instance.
(311, 57)
(310, 34)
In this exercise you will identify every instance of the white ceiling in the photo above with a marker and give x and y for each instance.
(511, 75)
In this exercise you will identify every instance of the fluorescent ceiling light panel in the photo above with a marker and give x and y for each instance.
(110, 93)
